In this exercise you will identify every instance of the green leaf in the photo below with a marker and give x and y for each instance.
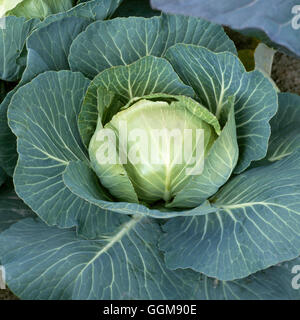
(43, 115)
(113, 176)
(276, 22)
(43, 262)
(48, 47)
(143, 77)
(91, 10)
(217, 76)
(81, 180)
(122, 41)
(9, 5)
(218, 167)
(257, 225)
(12, 62)
(50, 263)
(285, 127)
(12, 208)
(274, 283)
(39, 8)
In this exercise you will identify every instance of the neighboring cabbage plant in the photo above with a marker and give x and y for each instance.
(276, 25)
(35, 8)
(113, 228)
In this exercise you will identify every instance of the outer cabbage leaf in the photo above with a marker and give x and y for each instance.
(42, 261)
(262, 19)
(122, 41)
(13, 53)
(48, 47)
(285, 128)
(36, 8)
(43, 115)
(124, 265)
(92, 10)
(257, 225)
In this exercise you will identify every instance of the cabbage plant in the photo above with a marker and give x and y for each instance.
(113, 223)
(276, 25)
(36, 8)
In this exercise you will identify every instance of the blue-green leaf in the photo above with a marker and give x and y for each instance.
(122, 41)
(43, 262)
(91, 10)
(50, 263)
(12, 47)
(276, 19)
(217, 76)
(257, 225)
(48, 47)
(285, 127)
(43, 115)
(274, 283)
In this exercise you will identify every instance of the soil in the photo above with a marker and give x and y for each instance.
(285, 69)
(7, 295)
(285, 73)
